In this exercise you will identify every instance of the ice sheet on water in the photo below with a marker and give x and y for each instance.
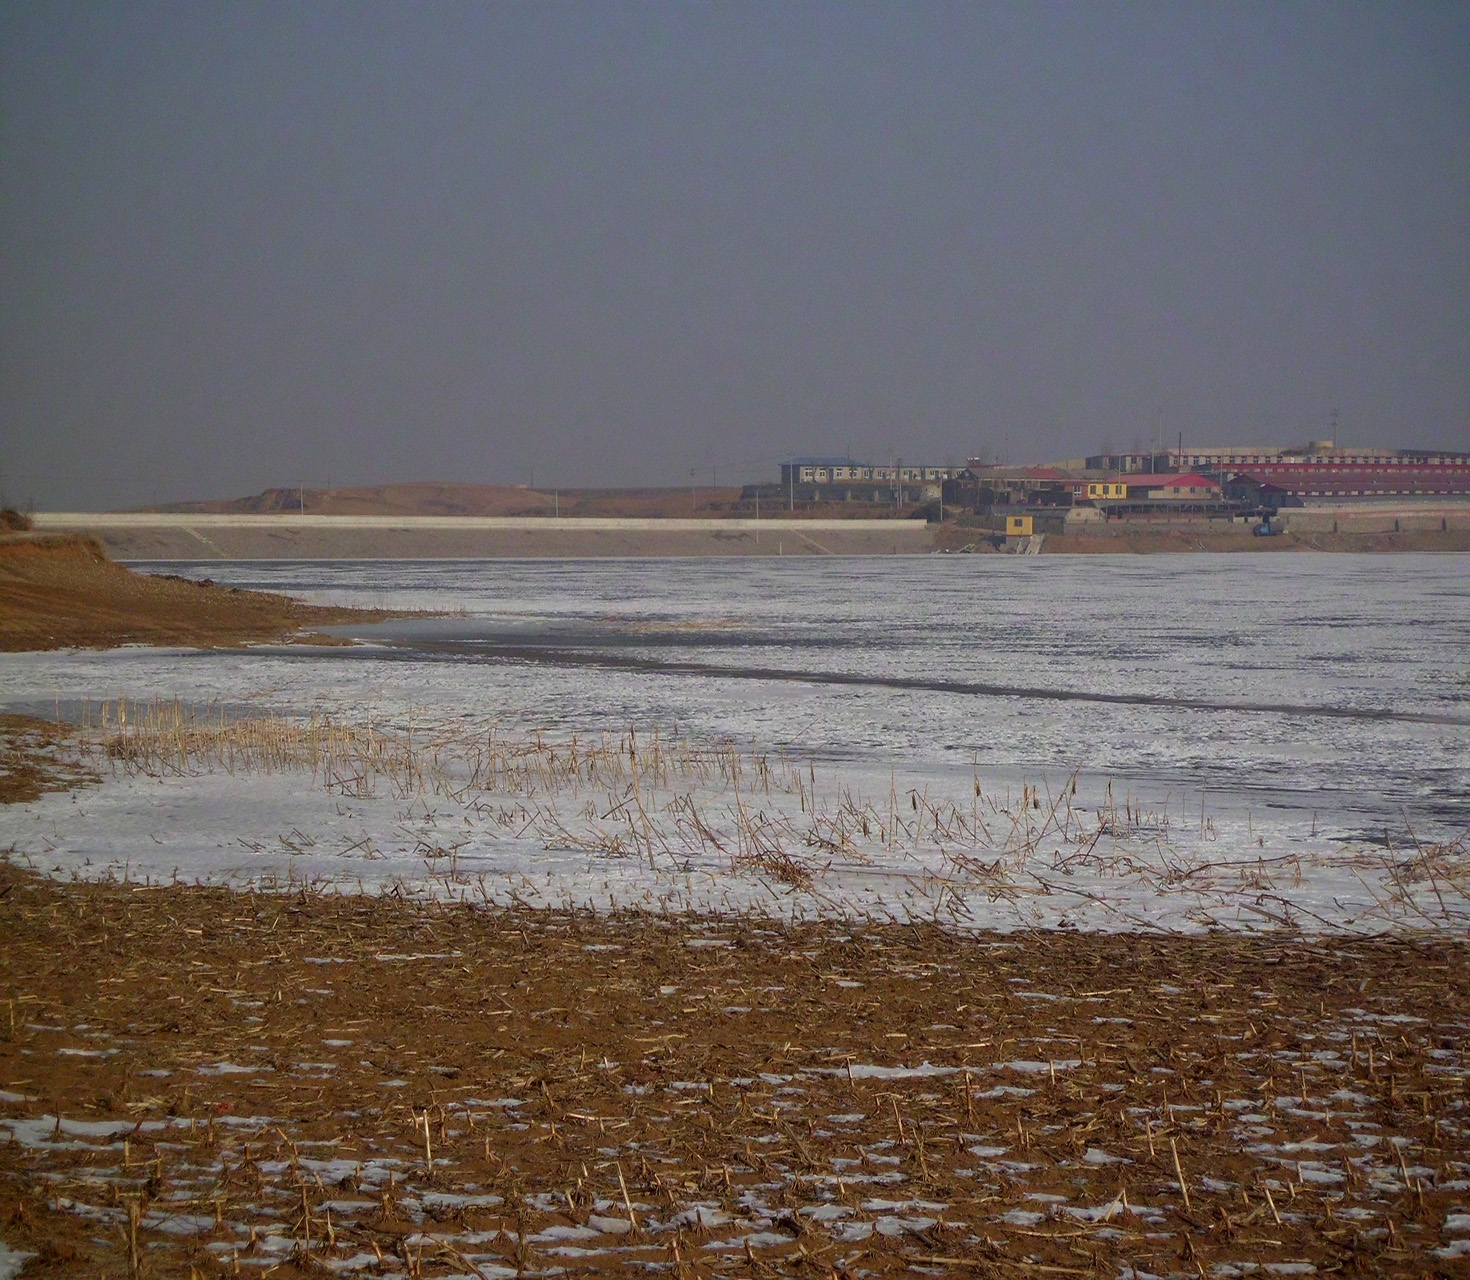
(1358, 636)
(128, 829)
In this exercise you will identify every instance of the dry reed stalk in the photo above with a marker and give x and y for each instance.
(670, 789)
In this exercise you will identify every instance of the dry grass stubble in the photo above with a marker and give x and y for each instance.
(202, 1081)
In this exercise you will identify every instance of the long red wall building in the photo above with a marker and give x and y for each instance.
(1379, 477)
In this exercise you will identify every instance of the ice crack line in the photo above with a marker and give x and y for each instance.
(563, 657)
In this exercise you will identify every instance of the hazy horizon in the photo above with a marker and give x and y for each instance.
(249, 246)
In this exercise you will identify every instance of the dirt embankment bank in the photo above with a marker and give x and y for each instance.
(311, 1083)
(62, 591)
(287, 541)
(286, 537)
(1147, 542)
(457, 498)
(1144, 541)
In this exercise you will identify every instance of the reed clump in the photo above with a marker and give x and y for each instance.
(672, 802)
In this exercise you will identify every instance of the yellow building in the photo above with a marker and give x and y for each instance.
(1106, 489)
(1018, 526)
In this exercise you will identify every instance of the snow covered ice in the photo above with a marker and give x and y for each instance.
(1112, 743)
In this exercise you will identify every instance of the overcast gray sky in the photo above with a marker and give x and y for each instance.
(249, 244)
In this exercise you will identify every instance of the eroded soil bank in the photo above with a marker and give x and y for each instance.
(62, 592)
(1122, 539)
(197, 1081)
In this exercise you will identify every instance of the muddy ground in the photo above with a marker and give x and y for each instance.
(197, 1080)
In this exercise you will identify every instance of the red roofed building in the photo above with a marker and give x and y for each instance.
(1368, 478)
(1188, 487)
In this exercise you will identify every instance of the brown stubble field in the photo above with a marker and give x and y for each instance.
(199, 1081)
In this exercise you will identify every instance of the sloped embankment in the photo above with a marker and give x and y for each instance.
(61, 592)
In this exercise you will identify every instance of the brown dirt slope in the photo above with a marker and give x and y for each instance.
(427, 498)
(648, 503)
(1145, 542)
(301, 1081)
(953, 537)
(440, 498)
(60, 592)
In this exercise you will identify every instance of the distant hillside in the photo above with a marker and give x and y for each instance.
(418, 499)
(443, 498)
(437, 498)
